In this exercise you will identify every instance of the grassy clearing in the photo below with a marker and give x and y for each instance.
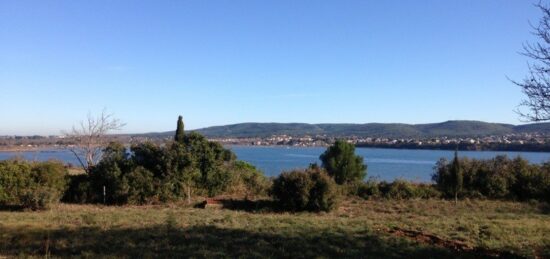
(357, 229)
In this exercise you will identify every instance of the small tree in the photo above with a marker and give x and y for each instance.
(180, 134)
(342, 164)
(456, 176)
(91, 137)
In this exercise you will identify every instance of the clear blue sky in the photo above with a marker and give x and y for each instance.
(222, 62)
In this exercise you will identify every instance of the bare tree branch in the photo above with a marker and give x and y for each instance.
(536, 85)
(91, 137)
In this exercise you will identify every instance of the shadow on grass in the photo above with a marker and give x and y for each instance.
(12, 208)
(250, 206)
(544, 208)
(242, 205)
(210, 241)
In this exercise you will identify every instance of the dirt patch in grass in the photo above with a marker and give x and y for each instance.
(454, 245)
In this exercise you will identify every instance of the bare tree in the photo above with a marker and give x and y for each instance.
(91, 137)
(536, 85)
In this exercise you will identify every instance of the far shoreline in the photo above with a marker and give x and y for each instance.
(17, 149)
(30, 149)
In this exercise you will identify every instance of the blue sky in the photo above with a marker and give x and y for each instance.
(222, 62)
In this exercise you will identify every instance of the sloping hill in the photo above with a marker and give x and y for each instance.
(262, 129)
(394, 130)
(448, 128)
(464, 128)
(535, 127)
(371, 129)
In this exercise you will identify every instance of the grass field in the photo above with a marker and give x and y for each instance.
(359, 228)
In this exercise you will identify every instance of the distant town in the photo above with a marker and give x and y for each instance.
(520, 142)
(508, 142)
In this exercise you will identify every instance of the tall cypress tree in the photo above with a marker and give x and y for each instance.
(456, 176)
(179, 130)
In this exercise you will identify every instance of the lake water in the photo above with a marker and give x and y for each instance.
(385, 164)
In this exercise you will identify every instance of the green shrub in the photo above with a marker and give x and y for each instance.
(160, 173)
(78, 189)
(39, 197)
(299, 190)
(33, 185)
(498, 178)
(400, 189)
(15, 176)
(291, 190)
(141, 187)
(365, 190)
(51, 174)
(248, 181)
(426, 191)
(322, 195)
(107, 176)
(217, 181)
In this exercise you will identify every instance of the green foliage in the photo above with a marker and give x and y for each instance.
(39, 197)
(217, 181)
(109, 176)
(401, 189)
(179, 131)
(158, 173)
(496, 178)
(368, 189)
(119, 175)
(79, 189)
(299, 190)
(246, 180)
(291, 190)
(211, 160)
(14, 177)
(151, 157)
(140, 184)
(342, 164)
(33, 185)
(323, 194)
(396, 190)
(457, 178)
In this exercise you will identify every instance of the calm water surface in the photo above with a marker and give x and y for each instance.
(386, 164)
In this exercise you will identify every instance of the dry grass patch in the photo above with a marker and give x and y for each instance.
(357, 229)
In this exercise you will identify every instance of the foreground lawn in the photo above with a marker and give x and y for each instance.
(374, 229)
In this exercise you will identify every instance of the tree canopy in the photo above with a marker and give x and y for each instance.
(342, 164)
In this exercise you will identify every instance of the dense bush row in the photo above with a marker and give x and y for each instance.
(496, 178)
(398, 189)
(152, 173)
(34, 185)
(190, 165)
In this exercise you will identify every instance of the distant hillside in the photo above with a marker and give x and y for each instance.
(394, 130)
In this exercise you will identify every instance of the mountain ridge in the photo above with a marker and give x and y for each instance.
(451, 128)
